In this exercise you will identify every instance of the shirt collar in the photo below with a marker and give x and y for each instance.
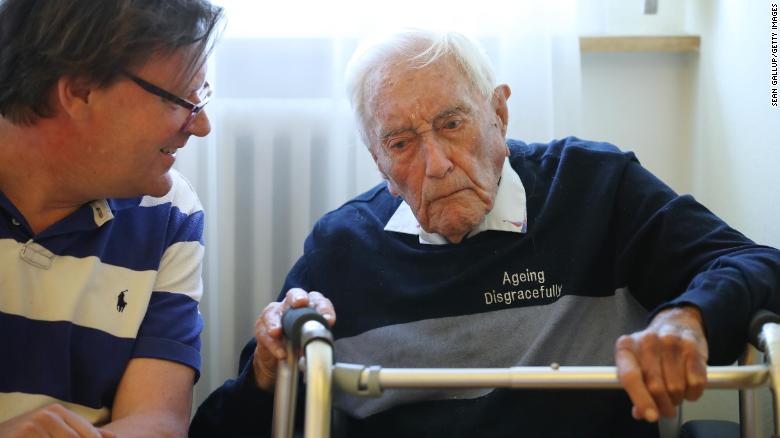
(508, 213)
(101, 211)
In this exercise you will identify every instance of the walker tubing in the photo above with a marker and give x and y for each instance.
(757, 323)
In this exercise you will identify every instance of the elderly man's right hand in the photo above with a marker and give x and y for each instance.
(268, 332)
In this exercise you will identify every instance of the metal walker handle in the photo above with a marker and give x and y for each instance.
(305, 329)
(312, 333)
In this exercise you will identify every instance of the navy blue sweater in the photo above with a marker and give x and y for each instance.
(608, 245)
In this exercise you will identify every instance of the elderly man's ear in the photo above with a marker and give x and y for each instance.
(500, 96)
(391, 187)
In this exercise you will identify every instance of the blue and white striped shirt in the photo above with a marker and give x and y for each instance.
(115, 280)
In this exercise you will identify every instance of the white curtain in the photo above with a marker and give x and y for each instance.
(283, 148)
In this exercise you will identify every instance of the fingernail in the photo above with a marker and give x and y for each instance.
(651, 415)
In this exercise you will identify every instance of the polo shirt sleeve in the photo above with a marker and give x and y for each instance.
(172, 325)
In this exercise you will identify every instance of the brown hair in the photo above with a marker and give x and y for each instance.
(44, 40)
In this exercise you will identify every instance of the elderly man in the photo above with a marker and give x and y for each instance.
(101, 242)
(481, 252)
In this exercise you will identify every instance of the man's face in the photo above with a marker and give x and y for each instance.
(131, 135)
(439, 143)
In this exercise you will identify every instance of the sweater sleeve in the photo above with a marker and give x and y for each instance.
(239, 408)
(671, 251)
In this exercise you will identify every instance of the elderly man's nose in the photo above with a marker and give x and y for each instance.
(437, 160)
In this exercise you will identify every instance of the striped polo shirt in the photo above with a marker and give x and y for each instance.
(114, 280)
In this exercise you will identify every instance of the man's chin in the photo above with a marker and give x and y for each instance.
(454, 223)
(161, 187)
(156, 188)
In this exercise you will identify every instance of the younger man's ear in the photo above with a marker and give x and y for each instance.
(73, 95)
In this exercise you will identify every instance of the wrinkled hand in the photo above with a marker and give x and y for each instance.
(268, 332)
(51, 421)
(664, 363)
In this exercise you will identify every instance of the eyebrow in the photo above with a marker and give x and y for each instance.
(389, 134)
(449, 112)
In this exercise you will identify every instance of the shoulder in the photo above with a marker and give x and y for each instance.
(566, 158)
(565, 148)
(361, 215)
(376, 204)
(175, 217)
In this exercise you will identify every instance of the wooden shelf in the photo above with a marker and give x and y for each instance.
(616, 43)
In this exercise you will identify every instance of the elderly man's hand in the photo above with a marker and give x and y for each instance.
(268, 332)
(664, 363)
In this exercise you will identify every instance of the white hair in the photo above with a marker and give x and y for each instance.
(419, 48)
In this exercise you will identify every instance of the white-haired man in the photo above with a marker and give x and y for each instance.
(485, 252)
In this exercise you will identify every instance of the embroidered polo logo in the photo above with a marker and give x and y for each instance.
(120, 301)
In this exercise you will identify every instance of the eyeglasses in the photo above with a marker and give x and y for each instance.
(204, 95)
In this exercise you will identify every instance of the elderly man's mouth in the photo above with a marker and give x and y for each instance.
(451, 194)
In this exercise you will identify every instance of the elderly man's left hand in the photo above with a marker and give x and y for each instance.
(664, 363)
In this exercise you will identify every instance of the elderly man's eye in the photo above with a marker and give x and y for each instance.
(452, 124)
(398, 144)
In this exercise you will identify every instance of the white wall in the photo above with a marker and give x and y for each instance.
(642, 102)
(736, 147)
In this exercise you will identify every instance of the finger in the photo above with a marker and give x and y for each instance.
(296, 297)
(269, 348)
(696, 375)
(268, 331)
(106, 433)
(264, 365)
(267, 359)
(78, 424)
(696, 369)
(271, 319)
(673, 366)
(630, 376)
(50, 420)
(648, 353)
(323, 306)
(23, 427)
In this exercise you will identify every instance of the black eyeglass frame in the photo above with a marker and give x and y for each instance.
(193, 108)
